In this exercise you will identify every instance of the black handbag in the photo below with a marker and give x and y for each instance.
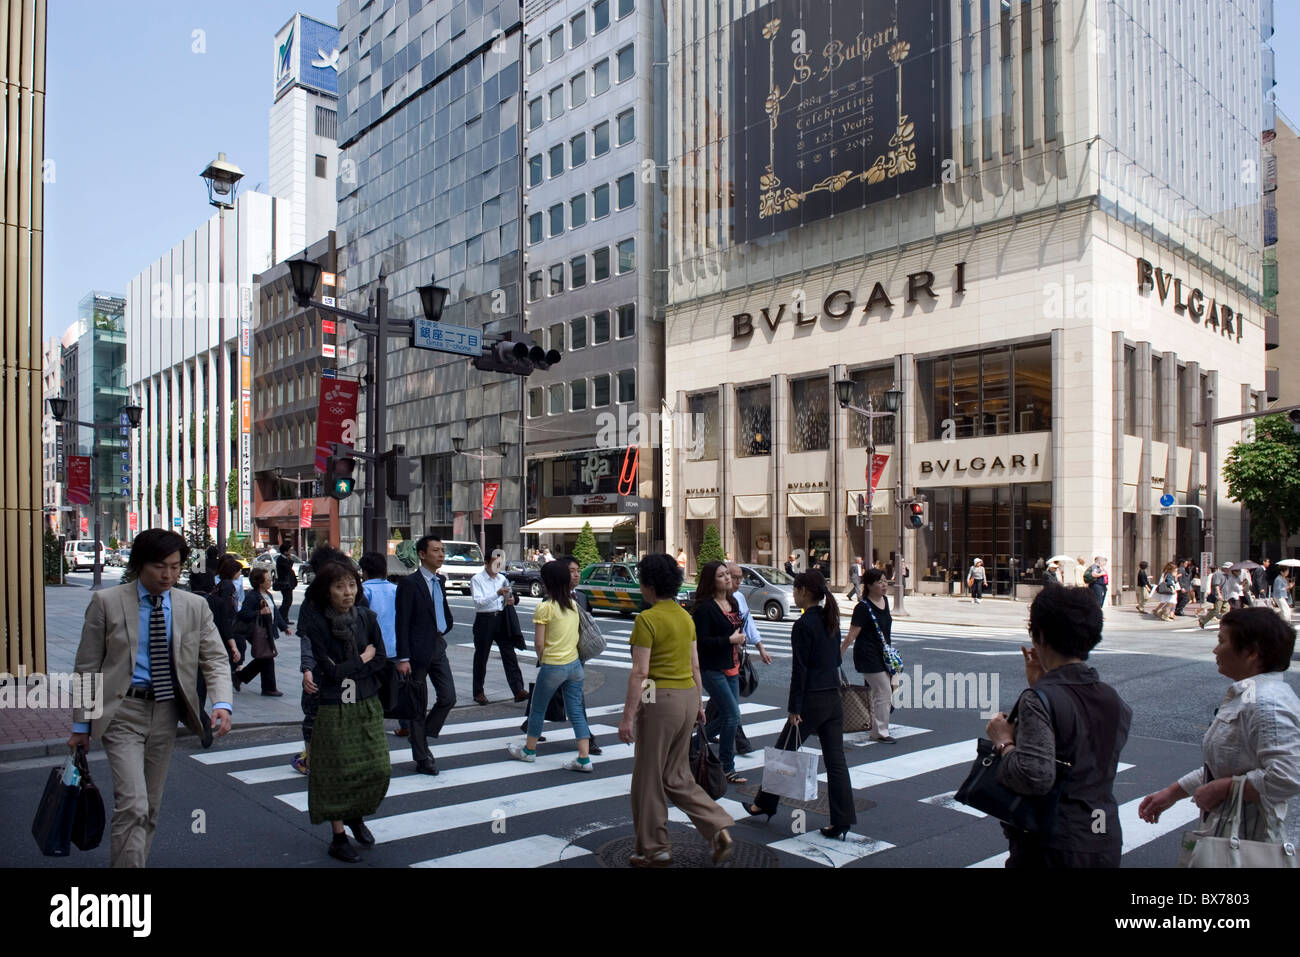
(399, 696)
(89, 819)
(554, 708)
(56, 814)
(748, 676)
(514, 633)
(706, 766)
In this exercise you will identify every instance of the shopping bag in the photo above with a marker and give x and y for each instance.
(55, 815)
(1221, 847)
(791, 774)
(856, 703)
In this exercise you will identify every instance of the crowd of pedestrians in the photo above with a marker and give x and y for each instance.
(1232, 585)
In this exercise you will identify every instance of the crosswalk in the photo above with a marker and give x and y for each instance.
(487, 810)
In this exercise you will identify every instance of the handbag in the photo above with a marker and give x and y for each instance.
(591, 643)
(399, 695)
(56, 813)
(791, 774)
(89, 819)
(893, 660)
(263, 645)
(855, 701)
(706, 766)
(748, 677)
(1223, 848)
(554, 708)
(510, 622)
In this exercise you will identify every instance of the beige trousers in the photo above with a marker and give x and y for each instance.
(882, 693)
(661, 769)
(139, 746)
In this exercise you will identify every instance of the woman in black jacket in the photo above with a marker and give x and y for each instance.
(260, 606)
(815, 706)
(869, 632)
(349, 753)
(719, 638)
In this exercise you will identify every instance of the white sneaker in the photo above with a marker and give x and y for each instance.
(576, 765)
(517, 751)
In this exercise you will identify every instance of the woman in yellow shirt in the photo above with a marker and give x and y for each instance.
(555, 639)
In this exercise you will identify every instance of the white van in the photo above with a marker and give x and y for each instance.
(463, 561)
(81, 554)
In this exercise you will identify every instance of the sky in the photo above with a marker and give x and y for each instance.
(142, 94)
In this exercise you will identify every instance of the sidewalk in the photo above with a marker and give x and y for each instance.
(1005, 613)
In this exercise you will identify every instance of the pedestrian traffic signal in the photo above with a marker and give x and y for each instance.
(400, 475)
(340, 473)
(916, 514)
(515, 358)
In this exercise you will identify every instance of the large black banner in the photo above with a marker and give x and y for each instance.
(837, 104)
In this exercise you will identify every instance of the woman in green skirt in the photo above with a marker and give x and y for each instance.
(349, 752)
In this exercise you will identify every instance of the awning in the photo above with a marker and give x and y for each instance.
(808, 503)
(701, 508)
(753, 506)
(561, 524)
(882, 504)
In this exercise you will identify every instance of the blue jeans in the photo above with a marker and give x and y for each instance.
(725, 690)
(549, 678)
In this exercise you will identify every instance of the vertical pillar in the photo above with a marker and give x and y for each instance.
(1168, 546)
(841, 546)
(1148, 546)
(727, 430)
(1121, 399)
(1058, 440)
(780, 446)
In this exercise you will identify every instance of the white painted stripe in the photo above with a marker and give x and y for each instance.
(530, 852)
(814, 847)
(735, 808)
(911, 765)
(965, 651)
(600, 660)
(949, 801)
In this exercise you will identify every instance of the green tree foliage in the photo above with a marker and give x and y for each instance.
(1264, 476)
(232, 490)
(710, 550)
(52, 557)
(197, 534)
(239, 544)
(585, 550)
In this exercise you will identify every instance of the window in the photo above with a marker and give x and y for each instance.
(986, 79)
(600, 78)
(535, 228)
(557, 336)
(599, 271)
(578, 30)
(321, 165)
(626, 127)
(578, 271)
(1130, 391)
(1008, 84)
(557, 43)
(557, 219)
(1032, 386)
(578, 211)
(556, 154)
(626, 255)
(600, 14)
(625, 7)
(967, 84)
(626, 187)
(1158, 399)
(1050, 70)
(578, 333)
(578, 90)
(874, 383)
(626, 62)
(578, 150)
(1027, 71)
(600, 201)
(535, 170)
(600, 328)
(535, 60)
(535, 285)
(754, 421)
(626, 321)
(977, 393)
(535, 113)
(1184, 417)
(600, 139)
(578, 395)
(557, 279)
(556, 395)
(556, 97)
(600, 390)
(627, 385)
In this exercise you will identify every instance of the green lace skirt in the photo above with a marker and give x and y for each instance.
(349, 761)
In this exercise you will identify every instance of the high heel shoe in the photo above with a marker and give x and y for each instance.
(754, 811)
(835, 833)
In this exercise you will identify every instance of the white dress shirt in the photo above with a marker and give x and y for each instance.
(483, 587)
(751, 630)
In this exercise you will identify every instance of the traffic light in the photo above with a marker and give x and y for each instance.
(340, 473)
(916, 516)
(400, 475)
(515, 358)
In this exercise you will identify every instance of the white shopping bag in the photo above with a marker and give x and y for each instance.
(791, 774)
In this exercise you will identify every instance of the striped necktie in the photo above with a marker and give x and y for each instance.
(160, 665)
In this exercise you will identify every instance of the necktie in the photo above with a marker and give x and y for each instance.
(438, 616)
(160, 665)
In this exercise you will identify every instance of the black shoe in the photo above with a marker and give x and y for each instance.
(235, 679)
(361, 832)
(273, 694)
(426, 767)
(835, 833)
(754, 811)
(541, 738)
(342, 850)
(593, 747)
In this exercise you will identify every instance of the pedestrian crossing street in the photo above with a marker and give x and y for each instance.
(487, 810)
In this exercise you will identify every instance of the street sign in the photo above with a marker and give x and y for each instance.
(445, 337)
(178, 522)
(631, 504)
(1167, 504)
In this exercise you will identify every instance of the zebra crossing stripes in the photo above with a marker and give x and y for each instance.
(535, 851)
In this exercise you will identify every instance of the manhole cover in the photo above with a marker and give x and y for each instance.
(690, 850)
(820, 806)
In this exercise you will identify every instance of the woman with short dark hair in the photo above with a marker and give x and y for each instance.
(260, 606)
(1255, 733)
(870, 630)
(1064, 737)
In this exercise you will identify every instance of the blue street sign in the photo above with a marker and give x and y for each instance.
(177, 522)
(1166, 500)
(445, 337)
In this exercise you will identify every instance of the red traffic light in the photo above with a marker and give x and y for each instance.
(917, 518)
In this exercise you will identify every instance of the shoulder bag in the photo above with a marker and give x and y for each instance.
(893, 660)
(263, 645)
(591, 643)
(1221, 847)
(706, 766)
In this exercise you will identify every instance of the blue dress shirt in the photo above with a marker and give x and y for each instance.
(382, 596)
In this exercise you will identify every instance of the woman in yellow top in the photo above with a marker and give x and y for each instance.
(555, 639)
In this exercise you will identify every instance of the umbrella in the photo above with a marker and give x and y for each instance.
(1238, 566)
(1289, 562)
(1063, 559)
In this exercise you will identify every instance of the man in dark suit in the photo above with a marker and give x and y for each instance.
(423, 619)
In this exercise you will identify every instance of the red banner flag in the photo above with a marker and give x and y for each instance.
(85, 526)
(212, 516)
(133, 521)
(304, 515)
(876, 469)
(490, 490)
(78, 491)
(336, 417)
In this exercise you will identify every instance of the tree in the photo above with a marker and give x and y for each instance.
(52, 557)
(1264, 476)
(197, 534)
(240, 544)
(585, 550)
(232, 489)
(710, 550)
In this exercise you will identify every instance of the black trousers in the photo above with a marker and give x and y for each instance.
(823, 716)
(1184, 596)
(489, 628)
(439, 669)
(263, 666)
(1027, 852)
(286, 602)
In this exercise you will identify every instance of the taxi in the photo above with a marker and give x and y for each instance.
(614, 586)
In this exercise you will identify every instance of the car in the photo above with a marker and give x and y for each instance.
(81, 554)
(768, 591)
(615, 586)
(525, 578)
(463, 561)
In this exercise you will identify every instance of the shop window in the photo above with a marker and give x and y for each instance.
(754, 421)
(975, 394)
(810, 414)
(699, 440)
(1033, 388)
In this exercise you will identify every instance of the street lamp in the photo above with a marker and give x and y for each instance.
(432, 299)
(503, 449)
(223, 179)
(844, 392)
(59, 410)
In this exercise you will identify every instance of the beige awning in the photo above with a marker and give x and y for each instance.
(566, 524)
(882, 504)
(701, 508)
(753, 506)
(808, 503)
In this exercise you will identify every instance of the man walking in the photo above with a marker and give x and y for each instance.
(422, 618)
(146, 642)
(285, 579)
(1222, 584)
(1185, 588)
(492, 593)
(1259, 582)
(855, 578)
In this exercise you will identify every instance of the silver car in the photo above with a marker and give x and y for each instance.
(768, 591)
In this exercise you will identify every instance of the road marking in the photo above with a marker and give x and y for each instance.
(911, 765)
(530, 852)
(819, 849)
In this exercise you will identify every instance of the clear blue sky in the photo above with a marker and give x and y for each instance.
(133, 114)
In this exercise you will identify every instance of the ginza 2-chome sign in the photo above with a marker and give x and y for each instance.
(1190, 302)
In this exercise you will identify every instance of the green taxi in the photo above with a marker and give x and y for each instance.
(614, 586)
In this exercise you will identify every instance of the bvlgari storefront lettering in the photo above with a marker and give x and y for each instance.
(841, 303)
(978, 463)
(1190, 302)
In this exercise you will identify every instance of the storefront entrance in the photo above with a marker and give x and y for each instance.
(1009, 527)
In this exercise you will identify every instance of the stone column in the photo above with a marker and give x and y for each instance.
(1147, 545)
(727, 431)
(776, 482)
(1119, 399)
(1169, 424)
(1058, 441)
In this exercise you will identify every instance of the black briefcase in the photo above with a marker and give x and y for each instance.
(399, 695)
(88, 818)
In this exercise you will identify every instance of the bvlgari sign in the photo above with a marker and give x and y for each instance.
(1190, 302)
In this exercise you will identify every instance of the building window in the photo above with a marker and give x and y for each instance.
(810, 414)
(578, 150)
(1050, 70)
(600, 139)
(967, 84)
(578, 271)
(874, 383)
(626, 62)
(975, 394)
(1184, 417)
(600, 390)
(986, 78)
(625, 187)
(535, 282)
(626, 255)
(600, 328)
(1008, 84)
(754, 421)
(556, 154)
(626, 127)
(556, 395)
(626, 321)
(578, 395)
(534, 113)
(1130, 391)
(557, 279)
(1027, 72)
(700, 441)
(557, 219)
(535, 228)
(557, 336)
(327, 123)
(557, 43)
(578, 211)
(1032, 388)
(600, 77)
(600, 201)
(600, 266)
(1158, 433)
(535, 170)
(600, 14)
(578, 90)
(578, 29)
(627, 385)
(577, 333)
(556, 97)
(535, 59)
(321, 166)
(625, 7)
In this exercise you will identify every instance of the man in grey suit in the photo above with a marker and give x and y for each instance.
(148, 641)
(855, 578)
